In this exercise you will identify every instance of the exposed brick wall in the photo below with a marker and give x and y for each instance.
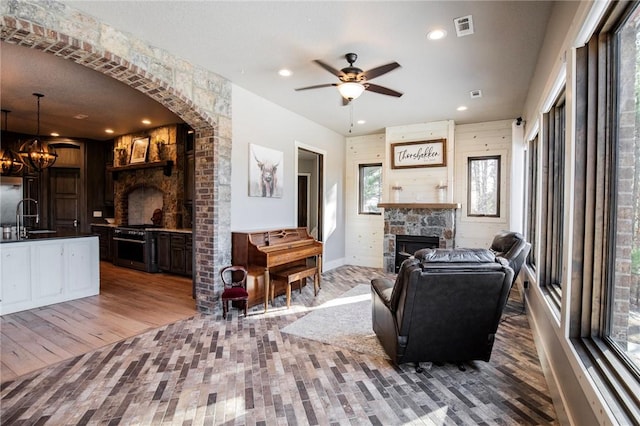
(201, 98)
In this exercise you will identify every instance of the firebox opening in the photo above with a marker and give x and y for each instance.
(407, 245)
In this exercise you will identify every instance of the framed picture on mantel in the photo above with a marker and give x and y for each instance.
(431, 153)
(139, 150)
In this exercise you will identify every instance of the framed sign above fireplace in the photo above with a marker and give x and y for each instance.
(431, 153)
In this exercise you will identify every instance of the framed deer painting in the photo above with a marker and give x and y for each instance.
(265, 172)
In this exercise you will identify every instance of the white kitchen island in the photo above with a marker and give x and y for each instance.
(49, 269)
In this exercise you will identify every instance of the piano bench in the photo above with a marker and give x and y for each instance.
(293, 274)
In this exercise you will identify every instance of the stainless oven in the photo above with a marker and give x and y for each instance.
(135, 247)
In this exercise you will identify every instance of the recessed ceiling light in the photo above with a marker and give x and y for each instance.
(146, 121)
(55, 135)
(80, 116)
(362, 121)
(285, 72)
(436, 34)
(462, 108)
(108, 131)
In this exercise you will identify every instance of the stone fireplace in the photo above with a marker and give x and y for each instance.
(436, 220)
(139, 189)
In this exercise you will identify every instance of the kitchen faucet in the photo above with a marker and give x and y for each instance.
(22, 233)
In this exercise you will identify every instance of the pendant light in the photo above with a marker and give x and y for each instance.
(10, 162)
(36, 153)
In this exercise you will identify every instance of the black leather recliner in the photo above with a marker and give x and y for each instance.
(445, 306)
(513, 247)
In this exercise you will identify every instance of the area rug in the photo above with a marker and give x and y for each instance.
(344, 322)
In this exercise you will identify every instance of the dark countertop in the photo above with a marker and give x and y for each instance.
(49, 236)
(150, 228)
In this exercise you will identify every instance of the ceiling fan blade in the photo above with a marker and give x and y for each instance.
(382, 90)
(329, 68)
(317, 86)
(378, 71)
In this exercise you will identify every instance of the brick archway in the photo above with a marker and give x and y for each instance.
(201, 98)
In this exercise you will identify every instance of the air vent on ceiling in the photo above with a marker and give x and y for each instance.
(464, 25)
(475, 94)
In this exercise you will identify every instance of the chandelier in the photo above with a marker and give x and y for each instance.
(10, 162)
(36, 153)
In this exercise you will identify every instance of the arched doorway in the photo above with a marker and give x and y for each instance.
(199, 97)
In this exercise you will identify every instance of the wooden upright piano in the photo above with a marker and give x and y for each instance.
(263, 252)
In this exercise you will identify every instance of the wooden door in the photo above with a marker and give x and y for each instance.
(65, 199)
(303, 200)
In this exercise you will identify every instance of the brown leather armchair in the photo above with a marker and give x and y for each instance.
(445, 306)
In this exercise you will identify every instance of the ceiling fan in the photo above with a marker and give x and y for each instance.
(354, 81)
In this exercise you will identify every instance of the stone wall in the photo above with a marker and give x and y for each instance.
(416, 221)
(165, 144)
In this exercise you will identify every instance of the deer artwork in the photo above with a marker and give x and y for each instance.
(268, 179)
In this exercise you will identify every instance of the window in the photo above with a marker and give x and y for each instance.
(532, 200)
(606, 235)
(370, 188)
(623, 310)
(483, 180)
(552, 201)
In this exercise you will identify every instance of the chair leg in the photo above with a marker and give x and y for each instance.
(245, 302)
(224, 309)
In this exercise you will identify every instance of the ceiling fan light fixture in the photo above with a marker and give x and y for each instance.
(351, 90)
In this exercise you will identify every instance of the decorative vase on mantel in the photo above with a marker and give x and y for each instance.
(395, 192)
(121, 156)
(442, 193)
(161, 149)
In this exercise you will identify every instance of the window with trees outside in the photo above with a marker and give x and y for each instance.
(606, 220)
(551, 203)
(483, 181)
(623, 319)
(370, 188)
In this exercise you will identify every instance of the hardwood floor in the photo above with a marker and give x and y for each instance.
(248, 371)
(130, 303)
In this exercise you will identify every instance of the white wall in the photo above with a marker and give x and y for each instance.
(476, 140)
(258, 121)
(366, 232)
(419, 184)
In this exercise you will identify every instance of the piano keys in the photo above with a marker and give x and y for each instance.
(262, 252)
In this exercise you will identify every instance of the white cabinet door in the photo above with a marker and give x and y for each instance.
(16, 276)
(47, 271)
(81, 264)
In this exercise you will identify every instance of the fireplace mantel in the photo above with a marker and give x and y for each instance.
(432, 206)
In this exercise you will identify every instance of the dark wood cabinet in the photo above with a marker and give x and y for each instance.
(188, 254)
(164, 251)
(175, 252)
(105, 238)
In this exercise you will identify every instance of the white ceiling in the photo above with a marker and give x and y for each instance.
(249, 41)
